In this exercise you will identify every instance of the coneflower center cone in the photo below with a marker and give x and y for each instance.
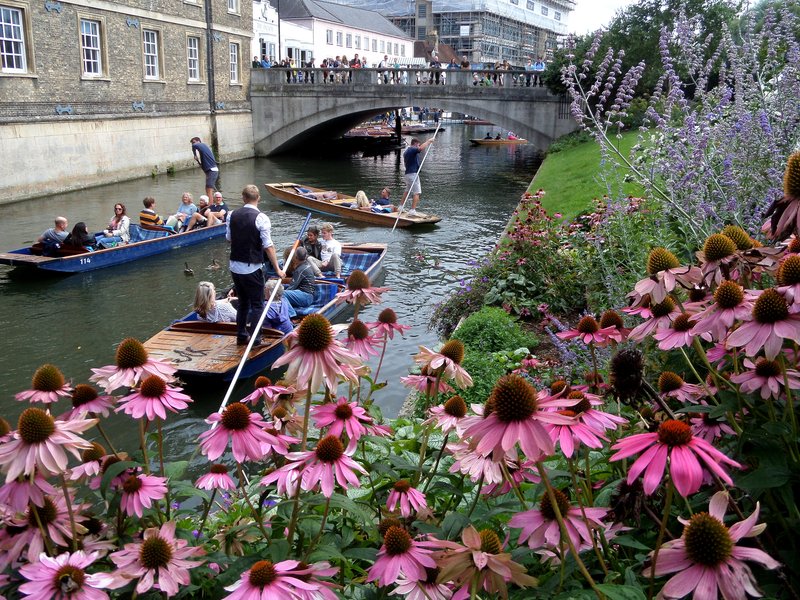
(767, 368)
(718, 246)
(358, 330)
(388, 522)
(583, 402)
(546, 507)
(789, 271)
(280, 413)
(397, 541)
(669, 382)
(130, 354)
(236, 417)
(588, 324)
(682, 323)
(738, 236)
(729, 294)
(794, 246)
(218, 469)
(661, 259)
(611, 318)
(674, 433)
(402, 486)
(662, 309)
(48, 378)
(343, 411)
(153, 387)
(5, 427)
(708, 541)
(329, 449)
(83, 394)
(47, 513)
(358, 280)
(155, 552)
(314, 333)
(770, 307)
(490, 542)
(262, 574)
(262, 381)
(513, 399)
(96, 452)
(387, 316)
(132, 485)
(559, 386)
(454, 350)
(71, 575)
(35, 425)
(455, 407)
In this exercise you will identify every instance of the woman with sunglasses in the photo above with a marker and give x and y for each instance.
(118, 230)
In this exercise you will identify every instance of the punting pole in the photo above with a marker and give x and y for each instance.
(405, 198)
(257, 330)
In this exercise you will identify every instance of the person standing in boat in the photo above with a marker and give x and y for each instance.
(411, 158)
(204, 157)
(249, 232)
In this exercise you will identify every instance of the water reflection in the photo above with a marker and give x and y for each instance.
(76, 322)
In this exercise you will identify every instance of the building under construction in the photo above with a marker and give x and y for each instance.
(487, 31)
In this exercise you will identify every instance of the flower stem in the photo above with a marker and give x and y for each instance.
(477, 496)
(436, 464)
(564, 533)
(661, 530)
(71, 514)
(422, 452)
(513, 484)
(161, 463)
(315, 541)
(143, 444)
(207, 510)
(246, 496)
(383, 353)
(577, 486)
(296, 503)
(106, 438)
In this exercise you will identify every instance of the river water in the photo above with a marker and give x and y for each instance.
(75, 322)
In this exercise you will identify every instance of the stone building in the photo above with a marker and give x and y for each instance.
(93, 91)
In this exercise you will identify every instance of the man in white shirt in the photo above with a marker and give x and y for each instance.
(331, 255)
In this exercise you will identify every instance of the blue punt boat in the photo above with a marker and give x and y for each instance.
(144, 243)
(209, 350)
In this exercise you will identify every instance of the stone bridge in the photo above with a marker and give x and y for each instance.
(294, 108)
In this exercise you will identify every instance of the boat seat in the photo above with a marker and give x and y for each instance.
(324, 293)
(38, 248)
(361, 260)
(140, 233)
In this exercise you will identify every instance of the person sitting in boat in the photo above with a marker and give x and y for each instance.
(219, 209)
(331, 256)
(56, 235)
(184, 214)
(208, 308)
(80, 237)
(488, 135)
(498, 137)
(301, 287)
(280, 311)
(362, 202)
(118, 231)
(384, 200)
(148, 217)
(511, 135)
(200, 218)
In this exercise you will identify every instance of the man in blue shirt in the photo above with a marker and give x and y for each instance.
(411, 158)
(204, 157)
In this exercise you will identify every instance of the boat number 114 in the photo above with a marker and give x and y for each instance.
(86, 261)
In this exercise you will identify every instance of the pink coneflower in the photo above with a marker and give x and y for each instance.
(217, 478)
(401, 555)
(387, 324)
(410, 499)
(86, 401)
(316, 358)
(571, 435)
(322, 467)
(589, 332)
(91, 465)
(731, 304)
(541, 529)
(585, 411)
(788, 279)
(612, 319)
(520, 472)
(266, 580)
(514, 415)
(266, 390)
(346, 417)
(360, 342)
(62, 578)
(771, 323)
(41, 443)
(47, 386)
(672, 385)
(54, 517)
(286, 480)
(481, 556)
(277, 442)
(689, 457)
(140, 491)
(424, 383)
(244, 428)
(679, 335)
(285, 420)
(132, 365)
(18, 493)
(359, 290)
(718, 257)
(662, 316)
(709, 429)
(474, 465)
(448, 416)
(423, 589)
(665, 272)
(160, 560)
(766, 377)
(151, 398)
(446, 363)
(707, 559)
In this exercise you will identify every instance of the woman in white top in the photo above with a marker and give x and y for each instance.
(208, 308)
(118, 230)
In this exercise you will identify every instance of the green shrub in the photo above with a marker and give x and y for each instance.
(492, 329)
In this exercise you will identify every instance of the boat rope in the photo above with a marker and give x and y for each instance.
(416, 176)
(257, 330)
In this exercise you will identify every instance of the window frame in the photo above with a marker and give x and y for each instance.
(340, 39)
(26, 40)
(102, 49)
(199, 59)
(531, 5)
(557, 15)
(159, 53)
(329, 37)
(545, 11)
(234, 7)
(348, 40)
(235, 62)
(357, 42)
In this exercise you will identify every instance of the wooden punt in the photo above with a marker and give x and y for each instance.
(339, 205)
(208, 350)
(74, 260)
(494, 142)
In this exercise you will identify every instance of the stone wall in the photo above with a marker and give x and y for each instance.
(41, 158)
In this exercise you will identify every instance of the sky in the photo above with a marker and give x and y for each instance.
(590, 15)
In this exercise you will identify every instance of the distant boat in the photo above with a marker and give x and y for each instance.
(477, 122)
(341, 205)
(494, 142)
(144, 243)
(208, 350)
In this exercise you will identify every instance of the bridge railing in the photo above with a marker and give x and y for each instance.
(403, 76)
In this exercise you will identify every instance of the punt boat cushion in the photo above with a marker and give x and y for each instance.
(140, 234)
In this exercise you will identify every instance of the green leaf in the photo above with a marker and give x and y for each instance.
(628, 541)
(453, 524)
(175, 470)
(278, 550)
(113, 471)
(326, 553)
(621, 592)
(764, 477)
(367, 554)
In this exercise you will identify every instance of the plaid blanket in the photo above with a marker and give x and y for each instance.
(324, 293)
(140, 235)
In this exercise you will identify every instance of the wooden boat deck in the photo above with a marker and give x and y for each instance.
(14, 259)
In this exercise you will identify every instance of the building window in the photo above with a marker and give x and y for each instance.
(396, 51)
(193, 57)
(403, 50)
(515, 2)
(545, 11)
(422, 10)
(557, 15)
(374, 45)
(531, 5)
(358, 42)
(234, 52)
(91, 48)
(233, 6)
(329, 37)
(366, 43)
(348, 40)
(152, 68)
(339, 38)
(422, 33)
(12, 40)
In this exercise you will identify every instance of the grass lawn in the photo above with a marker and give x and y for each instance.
(572, 180)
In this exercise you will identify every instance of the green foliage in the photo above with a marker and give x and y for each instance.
(492, 329)
(571, 140)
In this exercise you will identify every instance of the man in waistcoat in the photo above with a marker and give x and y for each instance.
(248, 231)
